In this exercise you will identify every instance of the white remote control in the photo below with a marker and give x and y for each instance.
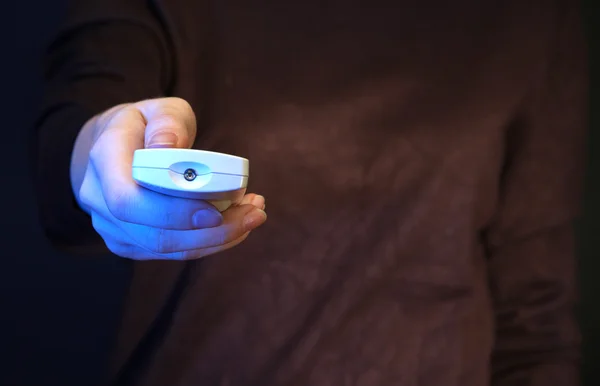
(197, 174)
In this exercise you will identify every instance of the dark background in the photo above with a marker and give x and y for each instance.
(57, 313)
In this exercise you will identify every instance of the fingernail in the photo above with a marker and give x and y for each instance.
(207, 218)
(254, 219)
(162, 140)
(258, 201)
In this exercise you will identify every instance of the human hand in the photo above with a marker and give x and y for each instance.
(141, 224)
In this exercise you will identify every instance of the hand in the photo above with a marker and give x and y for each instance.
(141, 224)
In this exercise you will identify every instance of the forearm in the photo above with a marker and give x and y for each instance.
(90, 69)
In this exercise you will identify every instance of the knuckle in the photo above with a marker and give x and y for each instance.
(124, 110)
(96, 150)
(104, 118)
(220, 237)
(84, 194)
(237, 231)
(159, 241)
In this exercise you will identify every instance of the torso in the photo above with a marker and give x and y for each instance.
(376, 134)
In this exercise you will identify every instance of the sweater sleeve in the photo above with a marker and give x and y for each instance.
(107, 52)
(531, 243)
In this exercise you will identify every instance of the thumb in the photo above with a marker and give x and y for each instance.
(170, 123)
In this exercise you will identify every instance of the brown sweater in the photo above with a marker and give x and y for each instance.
(421, 162)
